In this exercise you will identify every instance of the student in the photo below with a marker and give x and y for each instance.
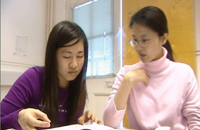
(155, 91)
(53, 95)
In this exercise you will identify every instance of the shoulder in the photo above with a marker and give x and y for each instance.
(35, 71)
(182, 66)
(131, 67)
(30, 82)
(127, 68)
(32, 75)
(182, 69)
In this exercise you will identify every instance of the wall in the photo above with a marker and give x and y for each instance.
(23, 38)
(23, 32)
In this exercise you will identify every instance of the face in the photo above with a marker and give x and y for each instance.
(70, 62)
(153, 49)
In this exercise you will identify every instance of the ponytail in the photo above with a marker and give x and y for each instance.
(170, 51)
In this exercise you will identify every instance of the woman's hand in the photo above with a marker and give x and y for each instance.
(28, 119)
(131, 77)
(137, 75)
(88, 115)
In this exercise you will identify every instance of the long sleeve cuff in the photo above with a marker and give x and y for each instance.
(10, 121)
(112, 117)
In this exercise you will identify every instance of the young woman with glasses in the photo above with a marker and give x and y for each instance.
(155, 91)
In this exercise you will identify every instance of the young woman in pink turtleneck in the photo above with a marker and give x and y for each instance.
(155, 91)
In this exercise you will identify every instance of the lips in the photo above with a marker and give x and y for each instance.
(142, 55)
(72, 72)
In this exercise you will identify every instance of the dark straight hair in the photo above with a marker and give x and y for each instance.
(154, 18)
(61, 34)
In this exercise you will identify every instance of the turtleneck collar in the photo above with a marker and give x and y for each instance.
(157, 65)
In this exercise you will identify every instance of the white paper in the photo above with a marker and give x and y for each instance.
(87, 126)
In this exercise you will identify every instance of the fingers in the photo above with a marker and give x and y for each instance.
(42, 116)
(38, 123)
(91, 117)
(43, 119)
(146, 80)
(81, 120)
(30, 118)
(99, 122)
(88, 115)
(141, 76)
(147, 74)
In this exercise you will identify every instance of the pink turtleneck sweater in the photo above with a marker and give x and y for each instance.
(172, 98)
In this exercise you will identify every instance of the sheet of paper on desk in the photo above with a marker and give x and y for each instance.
(86, 126)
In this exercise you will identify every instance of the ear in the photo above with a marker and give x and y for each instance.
(164, 38)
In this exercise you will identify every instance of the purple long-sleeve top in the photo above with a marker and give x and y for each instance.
(26, 92)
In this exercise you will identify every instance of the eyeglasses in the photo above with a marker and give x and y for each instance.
(142, 43)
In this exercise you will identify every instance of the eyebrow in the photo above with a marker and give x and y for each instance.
(144, 35)
(71, 52)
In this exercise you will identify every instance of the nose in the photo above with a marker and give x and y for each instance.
(73, 64)
(139, 47)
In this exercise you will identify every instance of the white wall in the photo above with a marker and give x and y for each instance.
(23, 38)
(26, 19)
(23, 35)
